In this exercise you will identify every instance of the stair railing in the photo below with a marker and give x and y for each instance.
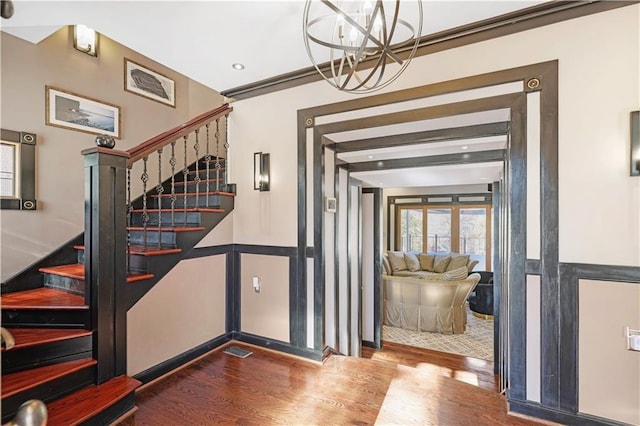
(110, 210)
(179, 140)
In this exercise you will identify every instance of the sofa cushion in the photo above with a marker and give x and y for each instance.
(396, 260)
(457, 261)
(472, 264)
(416, 274)
(385, 265)
(413, 264)
(426, 261)
(458, 274)
(440, 263)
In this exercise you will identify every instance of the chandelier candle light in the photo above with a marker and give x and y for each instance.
(353, 44)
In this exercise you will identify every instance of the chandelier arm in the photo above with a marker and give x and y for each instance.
(359, 27)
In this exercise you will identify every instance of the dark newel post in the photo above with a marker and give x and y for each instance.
(105, 256)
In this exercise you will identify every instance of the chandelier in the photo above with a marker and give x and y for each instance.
(361, 46)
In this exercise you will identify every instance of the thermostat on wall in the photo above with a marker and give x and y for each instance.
(330, 204)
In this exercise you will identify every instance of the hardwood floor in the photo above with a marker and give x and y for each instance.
(398, 385)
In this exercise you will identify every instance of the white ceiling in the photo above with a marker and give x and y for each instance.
(202, 39)
(451, 175)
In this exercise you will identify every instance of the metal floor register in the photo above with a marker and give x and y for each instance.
(236, 351)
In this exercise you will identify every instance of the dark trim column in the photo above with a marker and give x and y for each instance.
(377, 264)
(105, 241)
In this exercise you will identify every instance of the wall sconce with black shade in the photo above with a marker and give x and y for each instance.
(635, 143)
(85, 39)
(261, 171)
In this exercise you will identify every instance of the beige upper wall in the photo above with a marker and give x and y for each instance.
(598, 78)
(26, 69)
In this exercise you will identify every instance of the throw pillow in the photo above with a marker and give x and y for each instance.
(386, 266)
(456, 275)
(440, 263)
(396, 260)
(413, 264)
(426, 261)
(458, 261)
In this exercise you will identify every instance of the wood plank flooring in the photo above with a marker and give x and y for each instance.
(394, 386)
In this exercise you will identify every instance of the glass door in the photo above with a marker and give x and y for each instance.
(411, 227)
(439, 230)
(474, 223)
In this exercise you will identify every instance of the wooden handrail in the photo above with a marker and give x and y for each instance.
(157, 142)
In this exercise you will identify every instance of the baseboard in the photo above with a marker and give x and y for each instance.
(532, 409)
(369, 344)
(178, 361)
(277, 346)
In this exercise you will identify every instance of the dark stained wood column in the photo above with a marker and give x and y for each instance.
(105, 244)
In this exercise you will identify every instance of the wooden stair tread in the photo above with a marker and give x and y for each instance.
(42, 298)
(23, 380)
(182, 210)
(168, 228)
(76, 271)
(25, 337)
(146, 251)
(193, 194)
(85, 403)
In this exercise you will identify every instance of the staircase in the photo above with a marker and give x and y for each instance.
(57, 332)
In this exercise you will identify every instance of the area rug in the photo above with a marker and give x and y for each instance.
(476, 342)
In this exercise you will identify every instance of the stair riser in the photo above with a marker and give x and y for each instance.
(193, 218)
(191, 186)
(214, 202)
(168, 239)
(70, 285)
(115, 411)
(145, 263)
(46, 318)
(45, 354)
(48, 391)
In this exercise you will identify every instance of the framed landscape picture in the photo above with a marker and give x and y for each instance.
(75, 112)
(142, 81)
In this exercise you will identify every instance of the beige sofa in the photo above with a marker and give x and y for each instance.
(402, 264)
(426, 304)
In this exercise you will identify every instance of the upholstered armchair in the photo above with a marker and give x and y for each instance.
(427, 305)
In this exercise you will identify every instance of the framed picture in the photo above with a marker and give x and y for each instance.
(75, 112)
(150, 84)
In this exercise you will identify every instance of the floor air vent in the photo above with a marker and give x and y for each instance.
(236, 351)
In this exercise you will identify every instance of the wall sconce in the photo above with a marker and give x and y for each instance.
(85, 39)
(261, 172)
(635, 143)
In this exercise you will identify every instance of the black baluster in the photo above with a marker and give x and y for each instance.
(226, 152)
(160, 191)
(217, 165)
(207, 159)
(172, 162)
(196, 179)
(145, 214)
(185, 174)
(129, 214)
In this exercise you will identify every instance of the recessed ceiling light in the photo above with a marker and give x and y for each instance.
(483, 178)
(237, 66)
(465, 147)
(370, 157)
(381, 184)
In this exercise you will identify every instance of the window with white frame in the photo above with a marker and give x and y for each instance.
(9, 154)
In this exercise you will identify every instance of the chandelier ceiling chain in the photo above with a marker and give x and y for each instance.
(351, 43)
